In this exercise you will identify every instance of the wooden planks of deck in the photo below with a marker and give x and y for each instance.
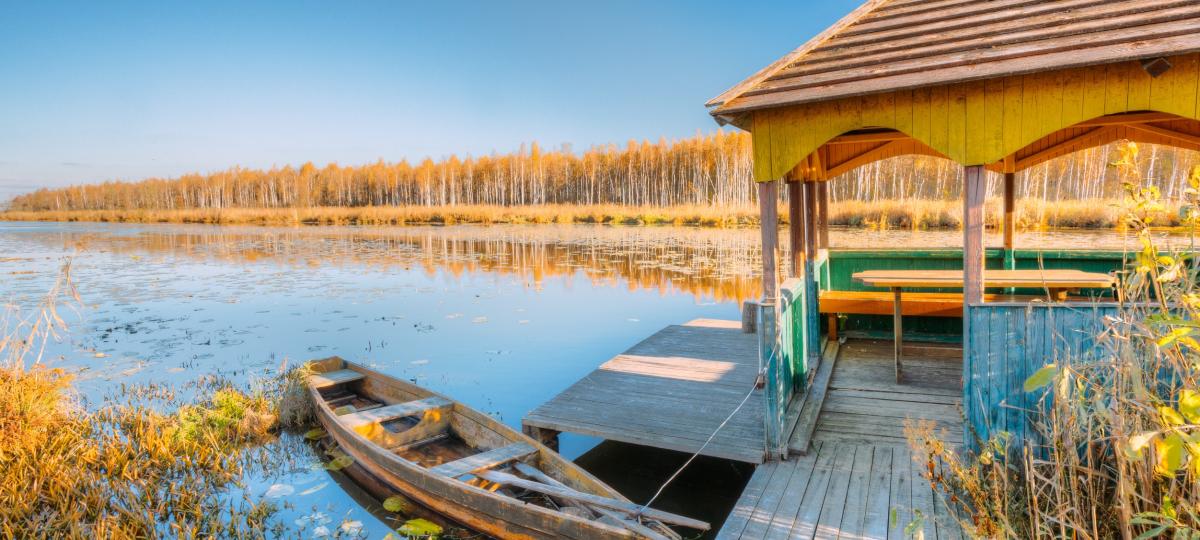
(670, 391)
(859, 469)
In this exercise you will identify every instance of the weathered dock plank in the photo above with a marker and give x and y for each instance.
(859, 470)
(670, 391)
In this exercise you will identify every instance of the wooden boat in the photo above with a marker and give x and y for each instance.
(469, 467)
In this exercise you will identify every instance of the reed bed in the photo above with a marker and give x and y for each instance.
(142, 465)
(701, 216)
(1031, 214)
(1118, 439)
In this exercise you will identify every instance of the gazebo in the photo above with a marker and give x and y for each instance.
(995, 86)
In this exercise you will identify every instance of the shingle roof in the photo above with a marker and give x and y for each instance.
(889, 45)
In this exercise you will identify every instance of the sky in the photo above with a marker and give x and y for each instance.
(96, 91)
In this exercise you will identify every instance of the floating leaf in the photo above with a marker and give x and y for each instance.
(315, 488)
(315, 434)
(1041, 378)
(395, 504)
(339, 463)
(352, 528)
(420, 528)
(1169, 451)
(279, 490)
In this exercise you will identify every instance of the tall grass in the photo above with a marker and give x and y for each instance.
(1118, 451)
(883, 214)
(140, 466)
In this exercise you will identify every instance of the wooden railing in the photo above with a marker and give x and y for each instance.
(1009, 342)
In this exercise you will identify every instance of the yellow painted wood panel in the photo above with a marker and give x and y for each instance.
(981, 122)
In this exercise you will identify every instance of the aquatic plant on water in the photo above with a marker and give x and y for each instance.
(1116, 441)
(125, 469)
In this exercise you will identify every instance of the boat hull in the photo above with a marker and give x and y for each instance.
(484, 511)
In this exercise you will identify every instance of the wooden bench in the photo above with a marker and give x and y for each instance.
(912, 304)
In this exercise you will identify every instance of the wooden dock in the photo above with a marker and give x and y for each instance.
(670, 391)
(858, 468)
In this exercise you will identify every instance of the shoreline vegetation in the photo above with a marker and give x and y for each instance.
(915, 214)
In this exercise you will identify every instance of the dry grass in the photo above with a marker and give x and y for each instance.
(140, 466)
(1031, 214)
(1118, 451)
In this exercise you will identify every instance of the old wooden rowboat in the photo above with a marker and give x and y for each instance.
(469, 467)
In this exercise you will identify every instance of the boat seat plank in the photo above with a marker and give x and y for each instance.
(484, 460)
(333, 378)
(391, 412)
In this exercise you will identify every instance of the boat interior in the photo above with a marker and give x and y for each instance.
(424, 430)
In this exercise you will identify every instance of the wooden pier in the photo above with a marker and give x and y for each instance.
(670, 391)
(858, 469)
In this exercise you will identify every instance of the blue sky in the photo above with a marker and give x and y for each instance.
(93, 91)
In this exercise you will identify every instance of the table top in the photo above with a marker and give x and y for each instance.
(953, 279)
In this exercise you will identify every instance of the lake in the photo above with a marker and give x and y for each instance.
(501, 318)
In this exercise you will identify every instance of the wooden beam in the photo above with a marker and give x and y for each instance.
(796, 226)
(768, 211)
(862, 158)
(1062, 147)
(823, 210)
(1010, 221)
(1127, 119)
(974, 189)
(1168, 133)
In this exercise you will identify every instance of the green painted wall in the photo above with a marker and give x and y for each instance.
(843, 263)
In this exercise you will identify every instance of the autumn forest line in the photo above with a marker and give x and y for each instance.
(702, 180)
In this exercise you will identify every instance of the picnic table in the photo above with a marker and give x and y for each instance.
(1057, 282)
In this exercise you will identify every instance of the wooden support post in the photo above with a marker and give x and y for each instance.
(749, 317)
(796, 226)
(547, 437)
(812, 289)
(974, 188)
(810, 214)
(768, 212)
(823, 215)
(1010, 219)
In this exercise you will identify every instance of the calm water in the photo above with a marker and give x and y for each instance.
(502, 318)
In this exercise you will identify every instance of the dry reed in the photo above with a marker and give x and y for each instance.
(1114, 450)
(1030, 214)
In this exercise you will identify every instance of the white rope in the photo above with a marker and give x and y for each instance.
(702, 447)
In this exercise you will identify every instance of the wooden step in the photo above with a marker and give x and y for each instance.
(392, 412)
(485, 460)
(814, 400)
(333, 378)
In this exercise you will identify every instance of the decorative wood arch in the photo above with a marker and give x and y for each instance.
(1006, 124)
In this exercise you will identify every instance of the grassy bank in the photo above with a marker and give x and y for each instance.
(892, 214)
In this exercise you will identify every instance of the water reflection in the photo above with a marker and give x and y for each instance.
(502, 318)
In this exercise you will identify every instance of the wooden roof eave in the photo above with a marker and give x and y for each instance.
(761, 75)
(1177, 45)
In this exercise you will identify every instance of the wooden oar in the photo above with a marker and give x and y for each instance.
(587, 498)
(628, 523)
